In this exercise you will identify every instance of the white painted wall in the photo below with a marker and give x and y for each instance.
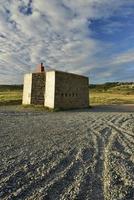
(27, 88)
(50, 89)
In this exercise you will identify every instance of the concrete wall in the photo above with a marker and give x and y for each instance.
(50, 89)
(34, 89)
(27, 89)
(38, 88)
(71, 91)
(55, 89)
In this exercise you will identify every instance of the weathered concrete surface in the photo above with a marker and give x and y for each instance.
(55, 89)
(71, 91)
(38, 88)
(50, 90)
(34, 89)
(27, 88)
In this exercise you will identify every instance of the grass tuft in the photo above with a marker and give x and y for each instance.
(105, 94)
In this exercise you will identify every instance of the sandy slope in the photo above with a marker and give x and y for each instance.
(67, 155)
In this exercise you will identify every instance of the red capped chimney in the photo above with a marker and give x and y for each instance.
(40, 68)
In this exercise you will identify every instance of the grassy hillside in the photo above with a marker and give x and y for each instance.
(108, 93)
(112, 93)
(120, 88)
(10, 94)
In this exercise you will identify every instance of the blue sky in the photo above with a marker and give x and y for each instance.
(90, 37)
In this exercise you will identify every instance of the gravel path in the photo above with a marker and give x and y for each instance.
(78, 155)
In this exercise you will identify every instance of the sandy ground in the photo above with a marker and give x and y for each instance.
(80, 155)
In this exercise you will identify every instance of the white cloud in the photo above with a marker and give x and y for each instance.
(54, 31)
(122, 58)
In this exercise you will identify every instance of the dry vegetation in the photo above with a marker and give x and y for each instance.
(105, 98)
(10, 95)
(112, 93)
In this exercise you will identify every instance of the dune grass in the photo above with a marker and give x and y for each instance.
(10, 95)
(112, 93)
(106, 98)
(99, 94)
(10, 98)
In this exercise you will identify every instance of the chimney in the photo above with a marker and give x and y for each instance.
(40, 68)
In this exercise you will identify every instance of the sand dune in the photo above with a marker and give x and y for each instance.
(66, 155)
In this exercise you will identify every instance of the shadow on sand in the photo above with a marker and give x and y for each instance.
(107, 108)
(124, 108)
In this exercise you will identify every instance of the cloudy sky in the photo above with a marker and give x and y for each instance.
(91, 37)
